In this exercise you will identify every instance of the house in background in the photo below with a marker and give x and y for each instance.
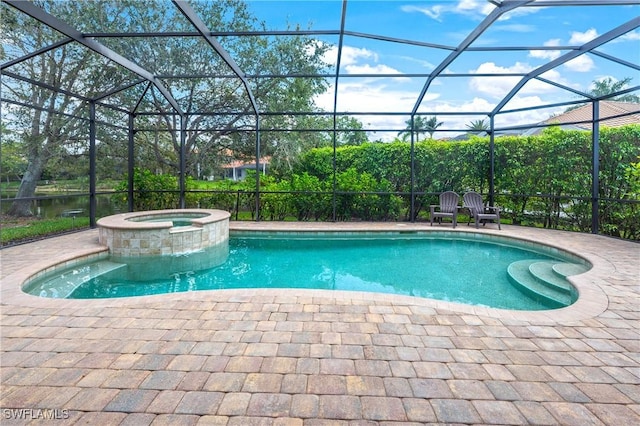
(612, 114)
(237, 170)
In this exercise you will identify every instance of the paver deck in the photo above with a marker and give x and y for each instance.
(311, 357)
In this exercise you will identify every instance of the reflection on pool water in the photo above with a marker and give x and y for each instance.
(462, 270)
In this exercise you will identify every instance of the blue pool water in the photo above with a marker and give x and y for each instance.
(459, 270)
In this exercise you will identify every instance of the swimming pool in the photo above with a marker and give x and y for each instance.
(430, 265)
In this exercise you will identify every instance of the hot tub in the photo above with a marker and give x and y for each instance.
(163, 232)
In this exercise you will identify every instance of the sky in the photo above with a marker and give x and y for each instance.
(445, 24)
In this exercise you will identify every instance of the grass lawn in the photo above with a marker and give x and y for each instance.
(20, 230)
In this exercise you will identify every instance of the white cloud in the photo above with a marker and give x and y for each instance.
(425, 64)
(376, 69)
(370, 93)
(477, 104)
(362, 96)
(497, 87)
(395, 94)
(555, 76)
(472, 8)
(482, 105)
(582, 63)
(350, 55)
(547, 54)
(366, 97)
(361, 61)
(582, 38)
(525, 117)
(518, 12)
(433, 12)
(515, 28)
(630, 36)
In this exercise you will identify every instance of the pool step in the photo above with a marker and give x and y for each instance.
(65, 284)
(545, 280)
(567, 269)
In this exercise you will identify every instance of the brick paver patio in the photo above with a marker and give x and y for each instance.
(309, 357)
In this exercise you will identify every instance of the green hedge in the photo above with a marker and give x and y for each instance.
(152, 191)
(542, 180)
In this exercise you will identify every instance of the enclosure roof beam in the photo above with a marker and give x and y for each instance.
(54, 89)
(119, 89)
(587, 47)
(35, 53)
(146, 89)
(339, 58)
(147, 34)
(61, 113)
(547, 3)
(268, 33)
(619, 93)
(328, 113)
(45, 86)
(578, 102)
(477, 32)
(39, 14)
(396, 40)
(201, 27)
(635, 66)
(341, 75)
(564, 87)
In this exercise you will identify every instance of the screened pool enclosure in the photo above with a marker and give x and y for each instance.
(324, 110)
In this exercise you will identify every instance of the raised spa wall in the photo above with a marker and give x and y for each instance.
(152, 233)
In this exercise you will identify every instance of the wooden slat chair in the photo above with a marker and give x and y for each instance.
(478, 211)
(448, 208)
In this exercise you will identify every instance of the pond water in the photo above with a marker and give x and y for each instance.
(61, 206)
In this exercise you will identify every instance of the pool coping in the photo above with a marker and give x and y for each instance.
(592, 301)
(136, 220)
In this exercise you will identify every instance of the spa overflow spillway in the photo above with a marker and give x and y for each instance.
(462, 267)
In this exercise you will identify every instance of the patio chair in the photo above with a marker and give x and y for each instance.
(448, 207)
(478, 211)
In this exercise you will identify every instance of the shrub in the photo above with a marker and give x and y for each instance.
(151, 191)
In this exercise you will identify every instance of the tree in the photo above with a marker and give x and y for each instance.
(478, 126)
(290, 146)
(219, 115)
(350, 131)
(421, 125)
(12, 159)
(212, 138)
(431, 125)
(43, 119)
(607, 86)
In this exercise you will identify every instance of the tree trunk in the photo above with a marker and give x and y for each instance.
(22, 208)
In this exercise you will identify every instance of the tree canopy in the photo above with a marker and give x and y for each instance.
(421, 125)
(56, 120)
(608, 85)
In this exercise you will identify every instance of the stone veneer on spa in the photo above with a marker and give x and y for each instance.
(152, 233)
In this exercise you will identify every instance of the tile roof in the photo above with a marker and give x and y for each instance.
(607, 109)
